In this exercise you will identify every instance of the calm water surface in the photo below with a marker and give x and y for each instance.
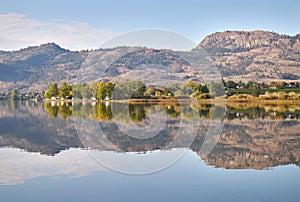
(46, 156)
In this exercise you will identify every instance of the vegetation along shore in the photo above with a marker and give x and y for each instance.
(137, 91)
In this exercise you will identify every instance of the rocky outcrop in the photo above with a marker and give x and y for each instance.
(254, 55)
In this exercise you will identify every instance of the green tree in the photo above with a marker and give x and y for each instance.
(93, 87)
(174, 87)
(64, 90)
(129, 89)
(188, 87)
(52, 91)
(240, 84)
(14, 94)
(281, 85)
(86, 91)
(231, 84)
(101, 91)
(203, 96)
(273, 84)
(138, 88)
(167, 92)
(255, 91)
(109, 89)
(76, 93)
(216, 89)
(203, 88)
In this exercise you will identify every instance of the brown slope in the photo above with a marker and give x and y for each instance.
(254, 55)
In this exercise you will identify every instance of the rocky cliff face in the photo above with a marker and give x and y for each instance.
(254, 55)
(239, 40)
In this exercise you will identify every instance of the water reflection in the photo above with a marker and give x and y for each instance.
(27, 126)
(254, 136)
(18, 166)
(138, 112)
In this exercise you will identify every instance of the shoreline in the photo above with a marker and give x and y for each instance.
(184, 101)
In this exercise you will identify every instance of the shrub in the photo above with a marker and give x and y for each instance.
(203, 96)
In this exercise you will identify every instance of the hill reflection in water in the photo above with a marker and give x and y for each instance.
(253, 137)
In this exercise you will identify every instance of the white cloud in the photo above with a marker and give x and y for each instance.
(18, 166)
(18, 31)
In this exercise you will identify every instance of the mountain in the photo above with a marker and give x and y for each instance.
(239, 55)
(254, 55)
(36, 67)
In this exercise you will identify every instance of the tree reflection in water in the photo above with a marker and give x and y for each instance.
(254, 136)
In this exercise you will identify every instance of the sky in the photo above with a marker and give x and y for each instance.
(78, 25)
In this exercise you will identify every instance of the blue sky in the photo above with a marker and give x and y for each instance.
(64, 21)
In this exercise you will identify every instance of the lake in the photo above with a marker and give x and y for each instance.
(57, 151)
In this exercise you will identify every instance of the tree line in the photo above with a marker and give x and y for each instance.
(97, 90)
(131, 89)
(259, 88)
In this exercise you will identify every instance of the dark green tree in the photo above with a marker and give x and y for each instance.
(64, 90)
(101, 91)
(109, 89)
(129, 89)
(140, 89)
(188, 87)
(14, 94)
(216, 89)
(231, 84)
(52, 91)
(93, 87)
(255, 91)
(203, 88)
(86, 91)
(77, 91)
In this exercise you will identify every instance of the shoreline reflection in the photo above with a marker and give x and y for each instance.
(254, 137)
